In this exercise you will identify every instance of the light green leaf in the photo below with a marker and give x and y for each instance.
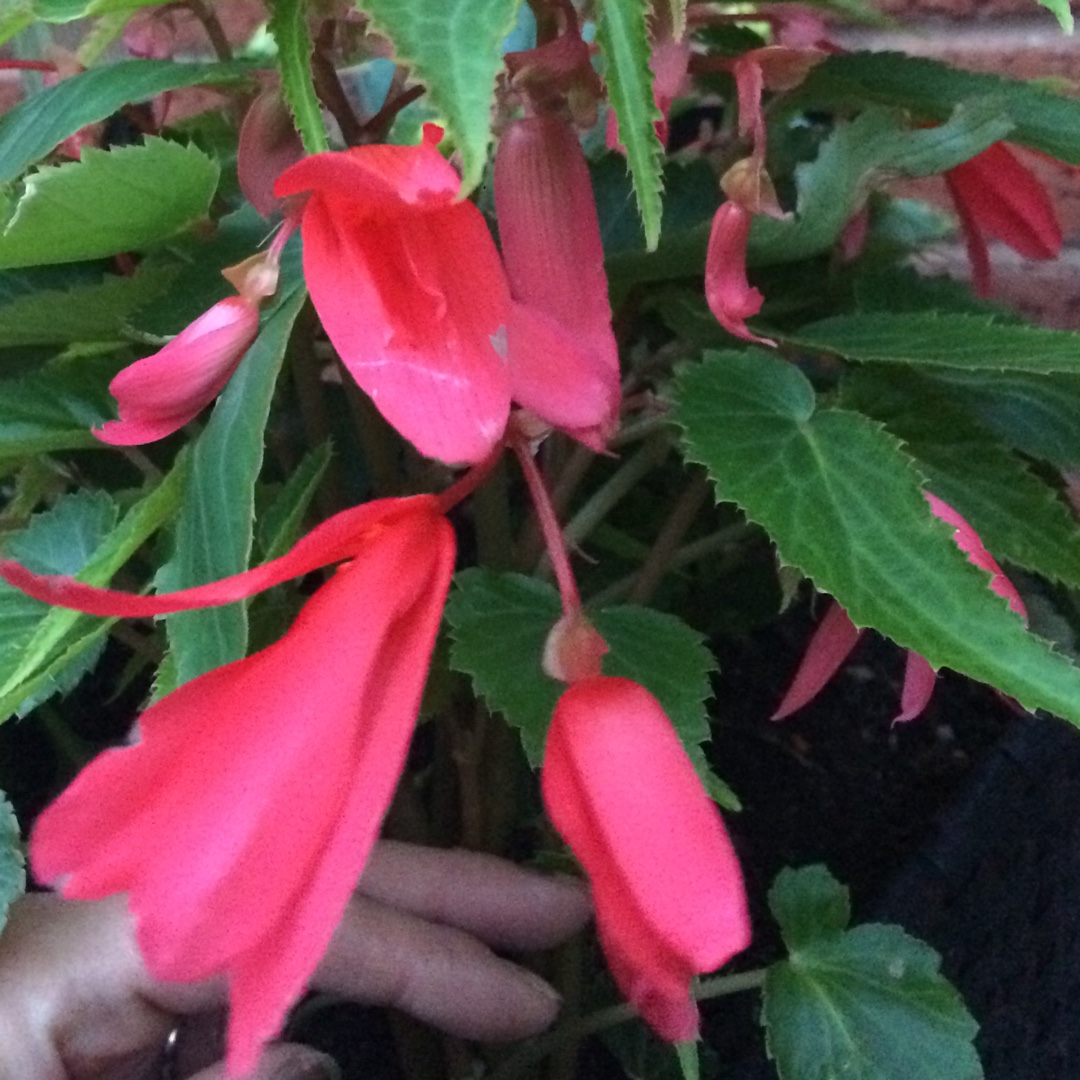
(453, 47)
(809, 903)
(55, 408)
(974, 342)
(289, 26)
(83, 313)
(623, 36)
(854, 158)
(1062, 12)
(215, 528)
(12, 863)
(865, 1004)
(56, 636)
(931, 89)
(499, 623)
(34, 127)
(1018, 516)
(140, 196)
(843, 502)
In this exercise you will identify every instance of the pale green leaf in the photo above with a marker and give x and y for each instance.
(214, 530)
(12, 863)
(844, 504)
(1018, 516)
(140, 196)
(974, 342)
(1062, 12)
(623, 36)
(453, 47)
(863, 1004)
(289, 26)
(34, 127)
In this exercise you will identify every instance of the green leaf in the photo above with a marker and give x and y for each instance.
(215, 528)
(140, 197)
(865, 1004)
(973, 342)
(289, 26)
(499, 623)
(843, 503)
(34, 127)
(809, 903)
(1062, 12)
(280, 527)
(19, 14)
(453, 47)
(931, 90)
(1037, 414)
(623, 36)
(54, 409)
(856, 157)
(1018, 516)
(56, 637)
(85, 313)
(12, 863)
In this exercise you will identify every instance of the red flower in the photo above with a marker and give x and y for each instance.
(564, 363)
(240, 820)
(408, 284)
(729, 295)
(837, 635)
(161, 393)
(666, 884)
(995, 195)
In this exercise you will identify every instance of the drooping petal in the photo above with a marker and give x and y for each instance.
(666, 884)
(235, 862)
(919, 679)
(727, 291)
(336, 539)
(830, 645)
(160, 393)
(269, 144)
(411, 291)
(564, 363)
(967, 539)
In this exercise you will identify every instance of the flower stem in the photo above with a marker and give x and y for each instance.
(328, 86)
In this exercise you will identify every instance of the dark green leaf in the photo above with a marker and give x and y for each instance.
(949, 340)
(30, 130)
(844, 504)
(288, 24)
(453, 47)
(809, 903)
(623, 36)
(140, 195)
(215, 528)
(280, 526)
(12, 863)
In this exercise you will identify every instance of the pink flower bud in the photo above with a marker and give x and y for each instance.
(729, 295)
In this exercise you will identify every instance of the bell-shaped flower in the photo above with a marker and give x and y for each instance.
(564, 363)
(407, 281)
(159, 394)
(836, 635)
(667, 888)
(729, 295)
(239, 821)
(997, 196)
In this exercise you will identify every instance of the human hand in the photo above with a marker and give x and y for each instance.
(76, 1002)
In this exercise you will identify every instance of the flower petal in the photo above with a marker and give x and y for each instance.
(729, 295)
(919, 680)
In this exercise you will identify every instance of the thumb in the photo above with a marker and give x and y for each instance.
(283, 1061)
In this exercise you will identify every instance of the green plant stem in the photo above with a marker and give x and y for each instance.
(638, 430)
(685, 510)
(685, 556)
(617, 487)
(491, 515)
(516, 1066)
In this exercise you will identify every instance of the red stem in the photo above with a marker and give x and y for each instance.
(27, 65)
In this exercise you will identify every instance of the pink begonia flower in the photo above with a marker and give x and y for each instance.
(836, 635)
(564, 363)
(410, 289)
(667, 887)
(729, 295)
(235, 862)
(161, 393)
(997, 196)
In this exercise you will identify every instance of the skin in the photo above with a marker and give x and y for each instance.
(76, 1002)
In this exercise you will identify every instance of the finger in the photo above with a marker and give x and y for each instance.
(439, 974)
(502, 904)
(284, 1061)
